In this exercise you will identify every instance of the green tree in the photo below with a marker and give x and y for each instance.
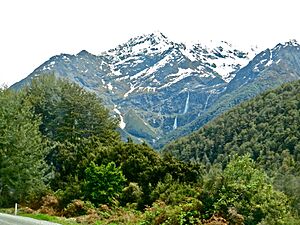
(69, 112)
(247, 191)
(74, 122)
(266, 127)
(22, 153)
(71, 159)
(103, 183)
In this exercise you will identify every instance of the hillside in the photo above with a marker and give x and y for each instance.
(268, 123)
(170, 88)
(268, 70)
(152, 78)
(266, 127)
(81, 169)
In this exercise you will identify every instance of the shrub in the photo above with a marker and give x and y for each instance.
(161, 213)
(50, 205)
(246, 192)
(79, 208)
(103, 183)
(132, 193)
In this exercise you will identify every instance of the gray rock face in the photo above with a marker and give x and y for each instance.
(160, 89)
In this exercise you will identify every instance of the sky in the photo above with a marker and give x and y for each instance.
(32, 31)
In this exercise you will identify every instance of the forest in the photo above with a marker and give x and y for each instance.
(61, 154)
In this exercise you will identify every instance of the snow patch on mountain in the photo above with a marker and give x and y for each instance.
(150, 44)
(222, 57)
(109, 86)
(149, 71)
(132, 88)
(174, 78)
(152, 62)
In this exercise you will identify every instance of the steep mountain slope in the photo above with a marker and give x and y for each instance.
(150, 79)
(266, 127)
(281, 64)
(268, 123)
(269, 69)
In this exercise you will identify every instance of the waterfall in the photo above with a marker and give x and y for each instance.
(187, 104)
(175, 124)
(207, 101)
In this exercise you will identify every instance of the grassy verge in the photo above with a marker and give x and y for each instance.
(120, 216)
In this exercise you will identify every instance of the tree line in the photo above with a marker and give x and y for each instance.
(57, 139)
(266, 128)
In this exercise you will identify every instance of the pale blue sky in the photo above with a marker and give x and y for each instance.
(32, 31)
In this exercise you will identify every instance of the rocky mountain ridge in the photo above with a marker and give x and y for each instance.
(158, 87)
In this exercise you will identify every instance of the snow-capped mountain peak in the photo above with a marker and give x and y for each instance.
(221, 56)
(142, 59)
(167, 85)
(292, 42)
(151, 43)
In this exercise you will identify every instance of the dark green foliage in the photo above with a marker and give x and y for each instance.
(68, 112)
(132, 194)
(241, 194)
(182, 214)
(75, 124)
(79, 130)
(174, 193)
(103, 183)
(22, 152)
(266, 127)
(93, 167)
(142, 165)
(139, 163)
(248, 191)
(71, 159)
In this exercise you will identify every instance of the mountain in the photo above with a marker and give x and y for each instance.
(161, 89)
(266, 127)
(280, 64)
(267, 70)
(268, 122)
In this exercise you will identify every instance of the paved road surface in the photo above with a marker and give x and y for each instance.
(6, 219)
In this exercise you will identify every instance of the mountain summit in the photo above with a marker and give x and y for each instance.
(158, 87)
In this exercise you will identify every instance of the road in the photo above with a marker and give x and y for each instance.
(6, 219)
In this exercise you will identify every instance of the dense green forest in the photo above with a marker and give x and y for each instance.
(61, 154)
(267, 128)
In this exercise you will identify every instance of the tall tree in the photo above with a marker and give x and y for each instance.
(22, 153)
(75, 123)
(69, 112)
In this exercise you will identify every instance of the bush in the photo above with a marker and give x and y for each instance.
(244, 193)
(79, 208)
(132, 193)
(50, 205)
(175, 193)
(103, 183)
(71, 192)
(161, 213)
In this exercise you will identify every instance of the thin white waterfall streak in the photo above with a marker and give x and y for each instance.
(187, 104)
(207, 101)
(175, 124)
